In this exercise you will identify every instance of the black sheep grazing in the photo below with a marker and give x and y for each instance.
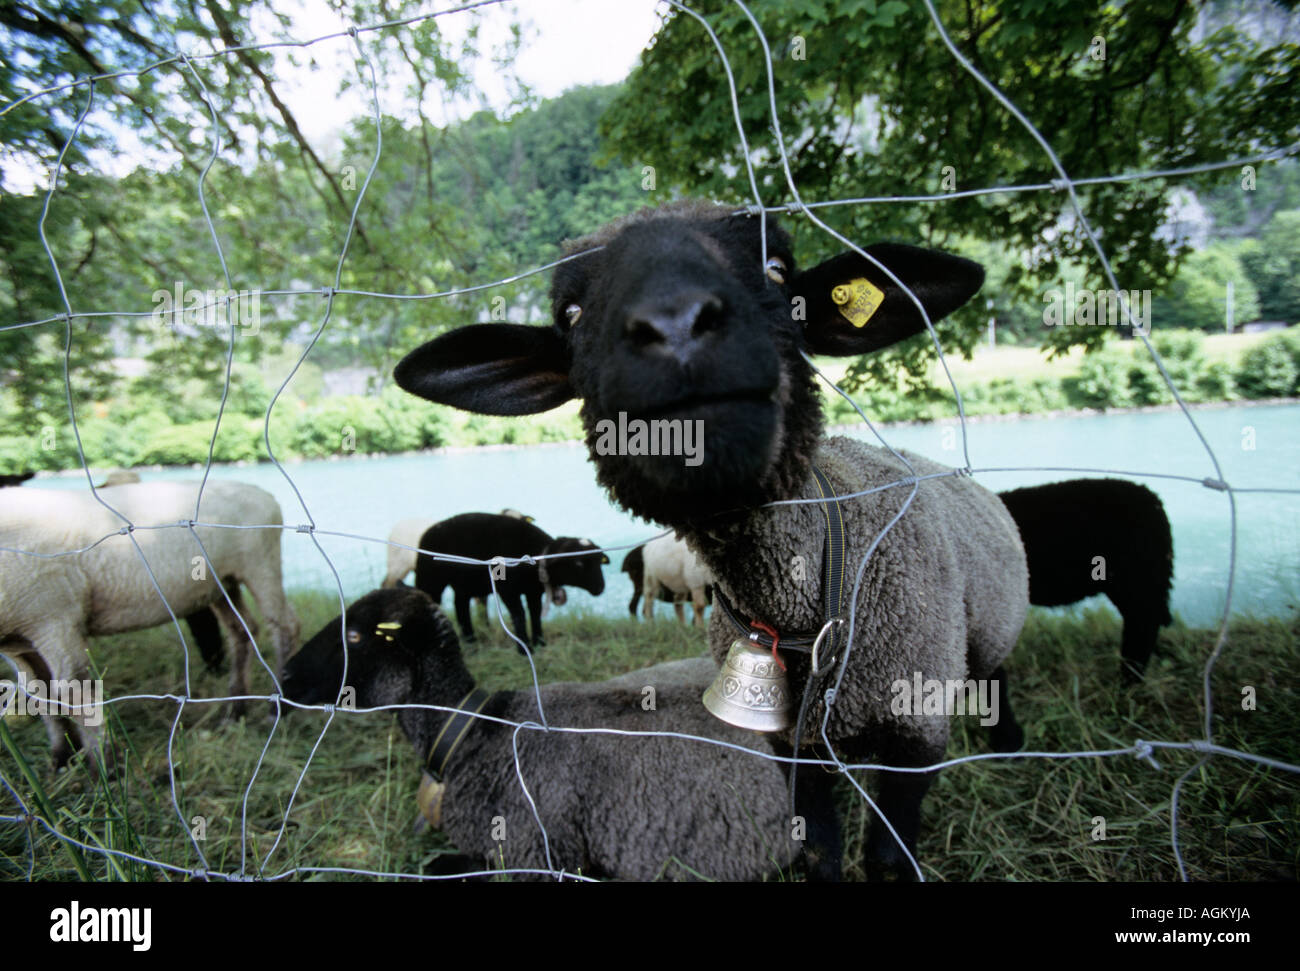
(1066, 526)
(621, 807)
(483, 536)
(685, 318)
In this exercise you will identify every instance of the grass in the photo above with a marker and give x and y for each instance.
(1023, 819)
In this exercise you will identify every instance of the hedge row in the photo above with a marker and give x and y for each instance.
(392, 422)
(1118, 377)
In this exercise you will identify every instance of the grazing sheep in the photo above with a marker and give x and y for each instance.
(675, 328)
(616, 807)
(1091, 536)
(50, 605)
(407, 532)
(669, 564)
(203, 624)
(634, 567)
(483, 536)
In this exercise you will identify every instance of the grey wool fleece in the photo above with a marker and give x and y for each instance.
(944, 594)
(631, 808)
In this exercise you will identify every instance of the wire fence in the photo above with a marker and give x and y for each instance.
(32, 817)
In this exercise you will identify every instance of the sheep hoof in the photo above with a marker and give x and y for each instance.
(897, 870)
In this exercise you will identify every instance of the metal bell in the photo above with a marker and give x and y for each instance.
(750, 691)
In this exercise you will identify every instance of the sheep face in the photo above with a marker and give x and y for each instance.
(678, 319)
(387, 631)
(574, 571)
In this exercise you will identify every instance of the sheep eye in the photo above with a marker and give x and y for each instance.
(776, 269)
(354, 636)
(571, 313)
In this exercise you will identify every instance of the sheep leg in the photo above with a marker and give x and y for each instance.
(61, 654)
(636, 596)
(238, 639)
(463, 617)
(535, 611)
(1137, 643)
(515, 607)
(899, 801)
(650, 590)
(1005, 735)
(697, 603)
(814, 791)
(679, 610)
(268, 594)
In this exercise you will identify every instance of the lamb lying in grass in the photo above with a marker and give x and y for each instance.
(618, 807)
(679, 316)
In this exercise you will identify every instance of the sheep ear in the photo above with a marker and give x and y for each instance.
(491, 369)
(851, 307)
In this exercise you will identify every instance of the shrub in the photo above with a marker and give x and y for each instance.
(1269, 369)
(1102, 382)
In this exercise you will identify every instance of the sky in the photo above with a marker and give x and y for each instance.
(568, 43)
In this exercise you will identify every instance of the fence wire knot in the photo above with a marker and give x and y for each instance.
(965, 472)
(306, 528)
(829, 696)
(128, 528)
(1217, 484)
(796, 208)
(753, 210)
(1202, 745)
(1143, 750)
(527, 560)
(327, 292)
(1059, 185)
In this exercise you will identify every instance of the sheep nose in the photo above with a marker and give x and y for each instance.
(673, 325)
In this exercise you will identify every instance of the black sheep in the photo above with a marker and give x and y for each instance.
(688, 323)
(484, 536)
(639, 807)
(1091, 536)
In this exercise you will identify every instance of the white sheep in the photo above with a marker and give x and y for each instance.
(51, 603)
(669, 562)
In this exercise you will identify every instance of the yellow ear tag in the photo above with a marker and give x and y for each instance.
(858, 300)
(430, 799)
(384, 630)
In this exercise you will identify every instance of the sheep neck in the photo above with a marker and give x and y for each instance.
(439, 681)
(768, 560)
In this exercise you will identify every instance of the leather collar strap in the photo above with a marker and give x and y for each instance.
(832, 585)
(453, 730)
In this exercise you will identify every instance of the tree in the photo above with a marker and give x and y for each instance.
(872, 104)
(1197, 296)
(1273, 264)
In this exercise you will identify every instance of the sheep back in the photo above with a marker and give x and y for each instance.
(108, 582)
(617, 805)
